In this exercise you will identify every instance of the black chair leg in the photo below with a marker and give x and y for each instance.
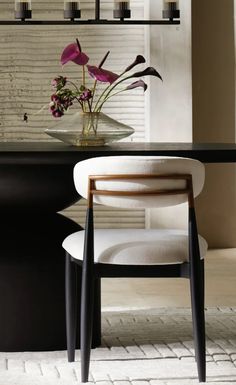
(86, 323)
(87, 298)
(71, 306)
(199, 327)
(197, 297)
(96, 340)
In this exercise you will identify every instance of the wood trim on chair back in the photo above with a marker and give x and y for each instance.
(92, 190)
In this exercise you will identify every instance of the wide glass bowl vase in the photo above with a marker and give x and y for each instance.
(89, 129)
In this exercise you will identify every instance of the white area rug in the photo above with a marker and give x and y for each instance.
(140, 347)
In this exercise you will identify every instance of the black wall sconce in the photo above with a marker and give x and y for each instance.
(72, 10)
(72, 14)
(23, 9)
(121, 10)
(171, 9)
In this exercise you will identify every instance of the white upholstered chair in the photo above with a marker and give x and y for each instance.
(135, 182)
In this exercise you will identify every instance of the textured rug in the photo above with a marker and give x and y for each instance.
(140, 347)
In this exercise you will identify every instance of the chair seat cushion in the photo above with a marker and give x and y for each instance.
(135, 246)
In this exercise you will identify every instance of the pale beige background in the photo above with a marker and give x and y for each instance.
(171, 102)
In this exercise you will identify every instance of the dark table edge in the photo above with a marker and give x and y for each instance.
(58, 153)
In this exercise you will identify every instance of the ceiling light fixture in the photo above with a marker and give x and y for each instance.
(72, 14)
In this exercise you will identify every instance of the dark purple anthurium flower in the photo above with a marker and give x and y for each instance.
(102, 75)
(139, 60)
(74, 53)
(138, 83)
(149, 71)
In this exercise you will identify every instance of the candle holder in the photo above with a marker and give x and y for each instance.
(171, 9)
(72, 10)
(122, 10)
(23, 9)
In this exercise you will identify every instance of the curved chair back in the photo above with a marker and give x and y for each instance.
(139, 181)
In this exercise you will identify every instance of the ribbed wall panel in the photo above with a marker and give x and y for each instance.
(29, 59)
(105, 217)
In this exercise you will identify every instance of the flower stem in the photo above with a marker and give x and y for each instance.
(100, 97)
(84, 76)
(84, 85)
(82, 106)
(107, 92)
(108, 97)
(73, 84)
(90, 106)
(93, 93)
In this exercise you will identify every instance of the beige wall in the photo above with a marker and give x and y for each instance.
(213, 74)
(170, 101)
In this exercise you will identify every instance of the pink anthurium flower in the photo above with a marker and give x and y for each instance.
(138, 83)
(102, 75)
(73, 52)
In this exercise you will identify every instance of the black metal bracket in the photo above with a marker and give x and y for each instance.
(97, 10)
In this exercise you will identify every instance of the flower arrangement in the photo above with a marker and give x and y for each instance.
(66, 92)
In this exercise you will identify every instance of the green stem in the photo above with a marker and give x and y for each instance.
(84, 105)
(80, 103)
(73, 84)
(90, 106)
(84, 76)
(108, 97)
(100, 97)
(109, 91)
(94, 90)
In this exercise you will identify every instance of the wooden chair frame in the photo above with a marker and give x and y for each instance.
(93, 272)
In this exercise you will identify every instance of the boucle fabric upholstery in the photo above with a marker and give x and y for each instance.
(135, 246)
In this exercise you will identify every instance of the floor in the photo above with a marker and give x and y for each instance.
(163, 355)
(220, 268)
(140, 347)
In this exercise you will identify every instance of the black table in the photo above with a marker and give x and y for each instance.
(59, 153)
(36, 183)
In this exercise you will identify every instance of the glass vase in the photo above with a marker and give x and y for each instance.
(89, 129)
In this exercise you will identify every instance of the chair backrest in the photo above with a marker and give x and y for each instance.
(154, 174)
